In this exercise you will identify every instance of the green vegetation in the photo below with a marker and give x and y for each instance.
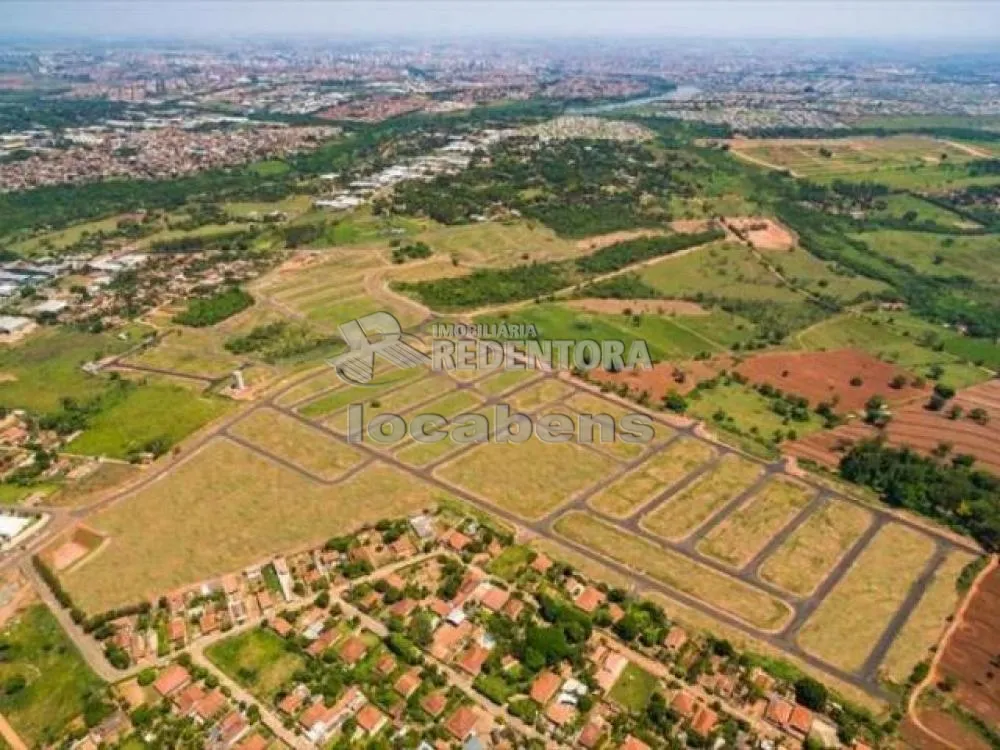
(282, 340)
(414, 251)
(207, 311)
(258, 659)
(633, 689)
(486, 287)
(44, 682)
(952, 493)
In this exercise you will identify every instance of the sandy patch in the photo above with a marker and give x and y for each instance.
(763, 234)
(638, 306)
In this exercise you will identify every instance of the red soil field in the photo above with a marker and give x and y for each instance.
(662, 378)
(823, 376)
(922, 430)
(943, 725)
(972, 654)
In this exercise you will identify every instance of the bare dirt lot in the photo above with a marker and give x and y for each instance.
(613, 238)
(666, 376)
(763, 234)
(638, 306)
(921, 429)
(827, 376)
(971, 649)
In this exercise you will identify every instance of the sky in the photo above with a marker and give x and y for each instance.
(879, 19)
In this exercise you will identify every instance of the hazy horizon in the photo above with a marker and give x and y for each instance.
(927, 20)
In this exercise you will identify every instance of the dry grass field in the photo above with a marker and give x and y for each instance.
(538, 395)
(192, 351)
(652, 477)
(682, 514)
(396, 402)
(745, 532)
(928, 621)
(808, 555)
(504, 381)
(849, 622)
(589, 404)
(530, 479)
(500, 244)
(719, 591)
(201, 520)
(324, 380)
(340, 398)
(300, 444)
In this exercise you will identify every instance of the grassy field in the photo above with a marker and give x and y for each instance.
(45, 368)
(401, 400)
(900, 204)
(192, 351)
(304, 446)
(667, 337)
(587, 565)
(509, 562)
(423, 454)
(499, 244)
(928, 621)
(258, 659)
(807, 556)
(534, 397)
(742, 408)
(47, 242)
(152, 412)
(719, 591)
(724, 270)
(976, 257)
(633, 689)
(223, 509)
(848, 623)
(623, 496)
(343, 396)
(821, 278)
(293, 206)
(325, 379)
(683, 513)
(896, 338)
(58, 680)
(529, 479)
(744, 533)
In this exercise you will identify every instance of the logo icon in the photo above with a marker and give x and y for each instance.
(377, 334)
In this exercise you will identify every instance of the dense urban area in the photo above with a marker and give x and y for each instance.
(198, 549)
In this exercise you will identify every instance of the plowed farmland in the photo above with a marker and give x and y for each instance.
(827, 376)
(923, 430)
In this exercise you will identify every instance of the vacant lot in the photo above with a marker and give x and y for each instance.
(356, 394)
(763, 234)
(595, 406)
(504, 381)
(300, 444)
(744, 533)
(847, 625)
(683, 513)
(977, 257)
(665, 376)
(827, 376)
(809, 554)
(641, 485)
(424, 454)
(928, 621)
(325, 380)
(719, 591)
(529, 479)
(538, 395)
(225, 508)
(500, 244)
(57, 679)
(139, 418)
(191, 351)
(258, 659)
(633, 689)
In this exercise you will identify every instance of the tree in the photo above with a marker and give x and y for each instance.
(675, 402)
(811, 693)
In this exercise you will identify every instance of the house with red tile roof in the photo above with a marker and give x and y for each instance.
(321, 644)
(457, 540)
(513, 608)
(177, 632)
(473, 659)
(589, 599)
(494, 598)
(353, 650)
(210, 706)
(704, 721)
(370, 719)
(395, 580)
(231, 728)
(253, 742)
(591, 735)
(292, 702)
(779, 711)
(560, 714)
(403, 608)
(434, 703)
(280, 625)
(171, 679)
(634, 743)
(185, 700)
(408, 683)
(386, 665)
(684, 703)
(461, 723)
(801, 720)
(545, 686)
(541, 563)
